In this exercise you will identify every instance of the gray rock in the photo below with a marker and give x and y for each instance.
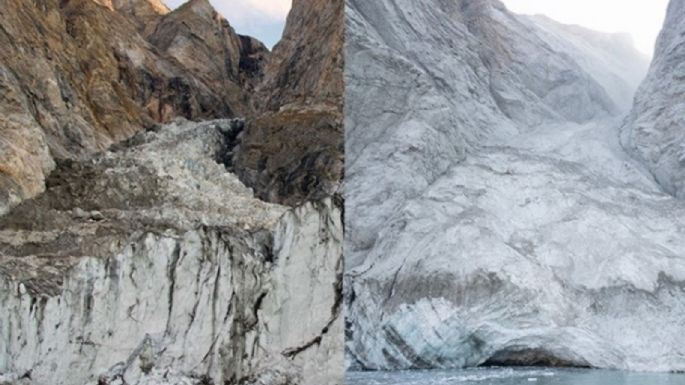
(79, 213)
(654, 132)
(96, 216)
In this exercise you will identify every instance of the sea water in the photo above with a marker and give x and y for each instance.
(514, 376)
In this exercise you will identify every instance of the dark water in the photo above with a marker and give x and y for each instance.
(510, 376)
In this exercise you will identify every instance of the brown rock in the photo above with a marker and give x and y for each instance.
(293, 152)
(77, 76)
(144, 13)
(306, 67)
(204, 43)
(294, 155)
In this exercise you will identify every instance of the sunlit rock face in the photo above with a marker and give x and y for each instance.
(95, 78)
(145, 14)
(493, 216)
(654, 131)
(151, 262)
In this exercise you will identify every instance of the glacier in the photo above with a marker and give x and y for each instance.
(151, 263)
(494, 215)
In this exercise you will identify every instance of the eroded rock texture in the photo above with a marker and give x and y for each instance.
(77, 76)
(293, 151)
(150, 262)
(493, 216)
(654, 131)
(427, 82)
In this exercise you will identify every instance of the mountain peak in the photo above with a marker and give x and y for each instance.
(144, 6)
(202, 8)
(145, 14)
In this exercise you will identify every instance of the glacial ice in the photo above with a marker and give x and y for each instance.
(490, 220)
(151, 264)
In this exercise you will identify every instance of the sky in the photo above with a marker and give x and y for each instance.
(642, 19)
(263, 19)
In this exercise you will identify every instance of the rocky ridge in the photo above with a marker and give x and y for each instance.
(653, 131)
(293, 150)
(93, 79)
(611, 59)
(144, 14)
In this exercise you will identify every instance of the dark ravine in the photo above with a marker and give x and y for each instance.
(293, 150)
(526, 357)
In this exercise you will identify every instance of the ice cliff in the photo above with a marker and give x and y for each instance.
(653, 132)
(147, 237)
(493, 216)
(151, 262)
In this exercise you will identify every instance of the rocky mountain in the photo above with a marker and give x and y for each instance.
(144, 14)
(653, 132)
(294, 149)
(201, 40)
(493, 217)
(94, 80)
(135, 248)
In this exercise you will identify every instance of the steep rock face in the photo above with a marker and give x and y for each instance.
(490, 219)
(526, 71)
(293, 151)
(307, 71)
(653, 132)
(152, 264)
(611, 59)
(144, 13)
(429, 81)
(204, 43)
(92, 80)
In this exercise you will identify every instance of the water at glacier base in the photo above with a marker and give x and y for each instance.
(514, 376)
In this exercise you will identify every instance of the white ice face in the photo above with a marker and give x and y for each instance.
(204, 279)
(491, 209)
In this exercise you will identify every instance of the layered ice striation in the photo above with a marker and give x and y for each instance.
(493, 216)
(152, 264)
